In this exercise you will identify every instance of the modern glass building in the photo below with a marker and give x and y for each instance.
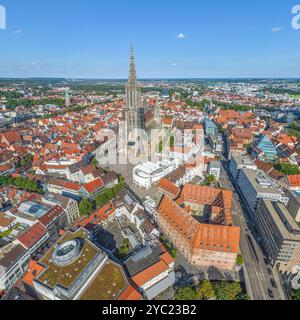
(265, 145)
(209, 127)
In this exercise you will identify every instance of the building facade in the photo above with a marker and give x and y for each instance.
(255, 185)
(199, 225)
(280, 236)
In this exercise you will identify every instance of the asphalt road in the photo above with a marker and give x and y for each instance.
(257, 272)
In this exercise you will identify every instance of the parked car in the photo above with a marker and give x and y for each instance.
(270, 293)
(274, 285)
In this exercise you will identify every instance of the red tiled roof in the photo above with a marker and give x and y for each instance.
(34, 270)
(71, 186)
(51, 215)
(130, 294)
(167, 121)
(294, 181)
(210, 237)
(107, 210)
(150, 273)
(12, 137)
(169, 187)
(88, 169)
(167, 258)
(33, 235)
(210, 196)
(94, 185)
(5, 167)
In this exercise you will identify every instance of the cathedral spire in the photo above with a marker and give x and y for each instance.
(132, 71)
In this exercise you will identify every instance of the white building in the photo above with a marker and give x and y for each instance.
(256, 185)
(126, 205)
(214, 169)
(69, 205)
(147, 174)
(14, 259)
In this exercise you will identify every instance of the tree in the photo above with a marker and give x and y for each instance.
(239, 260)
(242, 296)
(295, 126)
(206, 290)
(86, 207)
(95, 162)
(210, 179)
(160, 147)
(172, 142)
(173, 253)
(162, 238)
(296, 295)
(21, 183)
(227, 290)
(287, 168)
(187, 293)
(124, 249)
(168, 246)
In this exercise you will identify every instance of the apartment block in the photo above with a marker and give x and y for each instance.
(280, 236)
(256, 185)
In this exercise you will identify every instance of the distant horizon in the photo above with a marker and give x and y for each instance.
(150, 79)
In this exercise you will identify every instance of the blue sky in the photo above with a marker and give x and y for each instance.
(91, 38)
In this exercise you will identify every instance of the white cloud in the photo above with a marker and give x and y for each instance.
(17, 31)
(277, 29)
(181, 36)
(174, 64)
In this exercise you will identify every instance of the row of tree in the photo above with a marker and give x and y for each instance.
(21, 183)
(13, 103)
(287, 168)
(221, 290)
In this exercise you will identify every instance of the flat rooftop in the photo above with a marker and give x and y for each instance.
(143, 259)
(150, 168)
(109, 283)
(260, 181)
(284, 221)
(244, 161)
(33, 209)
